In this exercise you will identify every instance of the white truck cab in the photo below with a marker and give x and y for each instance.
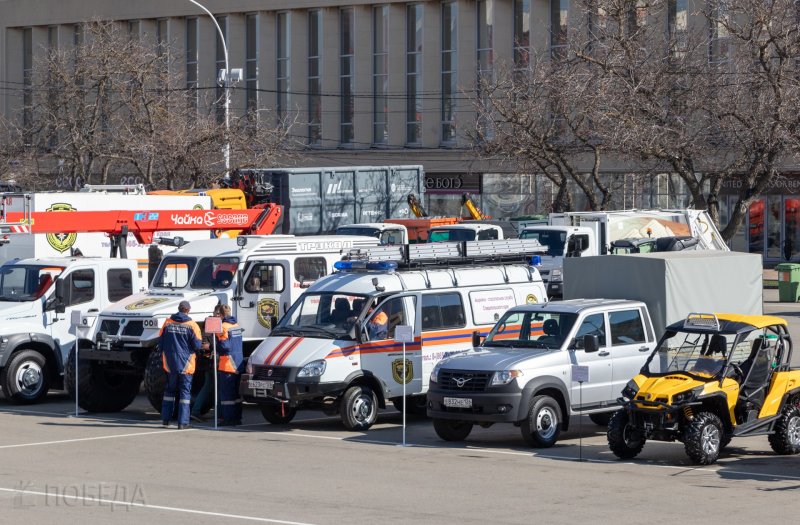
(465, 232)
(335, 349)
(258, 276)
(38, 299)
(386, 233)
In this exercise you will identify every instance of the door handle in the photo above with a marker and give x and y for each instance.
(644, 349)
(603, 354)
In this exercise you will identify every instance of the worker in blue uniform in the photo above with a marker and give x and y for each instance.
(231, 365)
(179, 339)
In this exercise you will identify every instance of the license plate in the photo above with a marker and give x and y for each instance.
(254, 384)
(458, 402)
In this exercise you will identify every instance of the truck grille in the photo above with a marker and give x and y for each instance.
(279, 373)
(469, 381)
(133, 328)
(109, 326)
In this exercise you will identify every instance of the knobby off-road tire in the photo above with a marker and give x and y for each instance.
(359, 408)
(451, 429)
(624, 439)
(543, 425)
(786, 439)
(155, 382)
(26, 377)
(272, 413)
(602, 419)
(702, 438)
(100, 389)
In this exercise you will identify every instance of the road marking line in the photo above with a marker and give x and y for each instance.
(165, 431)
(94, 500)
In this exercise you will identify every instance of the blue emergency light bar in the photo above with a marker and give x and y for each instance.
(384, 266)
(536, 260)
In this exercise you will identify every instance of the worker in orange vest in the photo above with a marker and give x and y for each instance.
(179, 339)
(231, 365)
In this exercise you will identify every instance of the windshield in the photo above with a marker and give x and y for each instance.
(26, 282)
(531, 330)
(207, 273)
(451, 235)
(358, 230)
(322, 315)
(553, 239)
(700, 355)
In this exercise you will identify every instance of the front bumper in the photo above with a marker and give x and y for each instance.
(116, 352)
(486, 407)
(288, 390)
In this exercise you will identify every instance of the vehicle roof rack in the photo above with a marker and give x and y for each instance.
(446, 254)
(701, 321)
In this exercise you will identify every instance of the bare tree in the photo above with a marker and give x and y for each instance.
(111, 106)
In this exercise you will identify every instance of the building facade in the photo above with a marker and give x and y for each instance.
(366, 83)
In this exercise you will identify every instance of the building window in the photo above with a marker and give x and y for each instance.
(251, 65)
(191, 60)
(220, 65)
(522, 34)
(27, 78)
(485, 61)
(678, 26)
(162, 39)
(449, 65)
(134, 29)
(380, 75)
(77, 35)
(346, 45)
(282, 73)
(414, 73)
(719, 41)
(314, 77)
(559, 10)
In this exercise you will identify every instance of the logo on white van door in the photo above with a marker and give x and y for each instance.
(267, 312)
(531, 299)
(61, 242)
(397, 371)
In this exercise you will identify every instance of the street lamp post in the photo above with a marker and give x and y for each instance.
(227, 147)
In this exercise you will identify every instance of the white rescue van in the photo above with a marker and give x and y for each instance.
(333, 351)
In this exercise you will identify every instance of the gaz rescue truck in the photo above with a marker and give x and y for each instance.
(335, 348)
(259, 276)
(583, 234)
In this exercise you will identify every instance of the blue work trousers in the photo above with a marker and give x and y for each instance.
(229, 399)
(180, 386)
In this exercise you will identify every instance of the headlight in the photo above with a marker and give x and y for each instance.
(630, 390)
(249, 367)
(556, 275)
(505, 377)
(313, 369)
(152, 323)
(435, 373)
(686, 397)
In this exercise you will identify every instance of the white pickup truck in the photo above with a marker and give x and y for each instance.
(38, 298)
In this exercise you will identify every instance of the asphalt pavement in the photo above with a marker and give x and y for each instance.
(125, 468)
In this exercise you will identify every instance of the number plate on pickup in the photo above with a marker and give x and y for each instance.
(254, 384)
(458, 402)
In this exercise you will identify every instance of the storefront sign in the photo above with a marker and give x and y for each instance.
(452, 182)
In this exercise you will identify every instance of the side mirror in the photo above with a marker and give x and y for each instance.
(476, 339)
(60, 306)
(591, 343)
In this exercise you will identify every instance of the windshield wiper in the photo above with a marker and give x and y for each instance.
(326, 331)
(504, 344)
(285, 330)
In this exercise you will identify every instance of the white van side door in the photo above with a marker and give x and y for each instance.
(382, 355)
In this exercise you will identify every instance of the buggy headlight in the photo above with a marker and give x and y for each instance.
(630, 390)
(313, 369)
(688, 396)
(505, 377)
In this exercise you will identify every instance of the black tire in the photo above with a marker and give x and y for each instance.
(451, 429)
(155, 381)
(786, 439)
(100, 389)
(624, 440)
(542, 426)
(602, 419)
(272, 413)
(418, 405)
(359, 408)
(702, 438)
(26, 377)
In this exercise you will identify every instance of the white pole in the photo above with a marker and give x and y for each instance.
(405, 399)
(77, 387)
(227, 147)
(214, 370)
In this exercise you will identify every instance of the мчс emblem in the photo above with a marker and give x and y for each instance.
(397, 371)
(144, 303)
(531, 299)
(267, 311)
(61, 242)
